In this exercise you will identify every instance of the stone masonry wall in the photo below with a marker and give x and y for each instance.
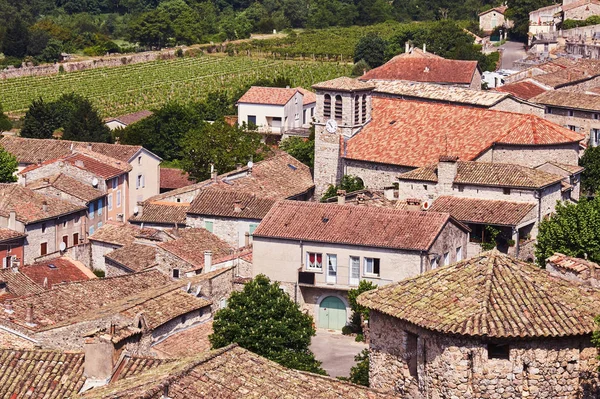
(375, 176)
(424, 364)
(532, 156)
(232, 231)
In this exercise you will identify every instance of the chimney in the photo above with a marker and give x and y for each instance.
(112, 328)
(207, 261)
(8, 308)
(89, 146)
(213, 176)
(247, 239)
(447, 168)
(79, 163)
(424, 47)
(341, 197)
(45, 206)
(406, 47)
(237, 206)
(29, 314)
(39, 161)
(238, 166)
(99, 359)
(12, 219)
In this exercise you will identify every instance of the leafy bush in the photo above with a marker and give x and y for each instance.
(349, 183)
(99, 273)
(347, 330)
(359, 374)
(360, 68)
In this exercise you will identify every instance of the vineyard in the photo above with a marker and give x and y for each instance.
(121, 90)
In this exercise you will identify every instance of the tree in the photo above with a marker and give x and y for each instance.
(5, 123)
(371, 49)
(574, 230)
(8, 167)
(84, 123)
(590, 178)
(263, 319)
(359, 312)
(359, 373)
(301, 149)
(221, 145)
(349, 183)
(40, 121)
(360, 68)
(16, 39)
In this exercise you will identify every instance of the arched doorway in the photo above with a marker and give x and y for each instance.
(332, 313)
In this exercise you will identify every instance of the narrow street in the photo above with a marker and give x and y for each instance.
(511, 52)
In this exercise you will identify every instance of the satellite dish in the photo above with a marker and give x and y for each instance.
(136, 210)
(95, 182)
(250, 164)
(62, 246)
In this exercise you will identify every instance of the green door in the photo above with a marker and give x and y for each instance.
(332, 313)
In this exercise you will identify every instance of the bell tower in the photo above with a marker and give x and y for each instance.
(343, 108)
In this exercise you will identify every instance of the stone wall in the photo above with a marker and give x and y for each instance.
(532, 156)
(107, 62)
(166, 262)
(583, 121)
(233, 231)
(113, 269)
(584, 85)
(520, 107)
(420, 363)
(374, 175)
(99, 249)
(583, 11)
(180, 323)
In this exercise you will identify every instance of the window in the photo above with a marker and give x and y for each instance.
(115, 183)
(92, 229)
(99, 207)
(91, 210)
(425, 186)
(331, 268)
(458, 254)
(338, 107)
(175, 273)
(139, 160)
(412, 341)
(573, 128)
(314, 261)
(118, 198)
(109, 201)
(65, 239)
(43, 227)
(75, 238)
(364, 108)
(356, 110)
(139, 183)
(434, 263)
(252, 227)
(595, 137)
(506, 191)
(461, 189)
(251, 120)
(208, 225)
(297, 116)
(371, 266)
(77, 219)
(64, 223)
(498, 351)
(327, 106)
(99, 224)
(354, 270)
(570, 112)
(596, 116)
(549, 110)
(446, 258)
(43, 248)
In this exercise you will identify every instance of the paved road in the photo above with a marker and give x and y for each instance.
(336, 351)
(512, 51)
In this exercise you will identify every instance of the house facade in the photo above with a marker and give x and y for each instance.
(317, 252)
(488, 318)
(493, 18)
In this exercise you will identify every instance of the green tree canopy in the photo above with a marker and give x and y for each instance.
(8, 167)
(220, 144)
(301, 149)
(371, 48)
(263, 319)
(574, 230)
(590, 178)
(5, 123)
(16, 39)
(349, 183)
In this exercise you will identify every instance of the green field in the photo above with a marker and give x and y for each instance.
(121, 90)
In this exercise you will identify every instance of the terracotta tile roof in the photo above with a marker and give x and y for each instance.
(215, 202)
(419, 69)
(128, 119)
(430, 91)
(31, 151)
(472, 210)
(278, 177)
(575, 71)
(491, 295)
(9, 235)
(522, 89)
(40, 374)
(407, 133)
(135, 257)
(191, 243)
(368, 197)
(13, 342)
(69, 303)
(571, 263)
(119, 233)
(162, 212)
(416, 52)
(580, 3)
(567, 99)
(267, 95)
(501, 10)
(18, 284)
(133, 365)
(488, 174)
(570, 169)
(353, 225)
(232, 372)
(68, 185)
(186, 343)
(55, 271)
(97, 164)
(309, 96)
(31, 206)
(171, 178)
(344, 84)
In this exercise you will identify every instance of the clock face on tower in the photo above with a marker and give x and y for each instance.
(331, 126)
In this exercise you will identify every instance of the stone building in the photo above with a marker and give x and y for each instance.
(390, 136)
(317, 252)
(45, 220)
(574, 269)
(580, 10)
(544, 20)
(121, 122)
(487, 327)
(494, 18)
